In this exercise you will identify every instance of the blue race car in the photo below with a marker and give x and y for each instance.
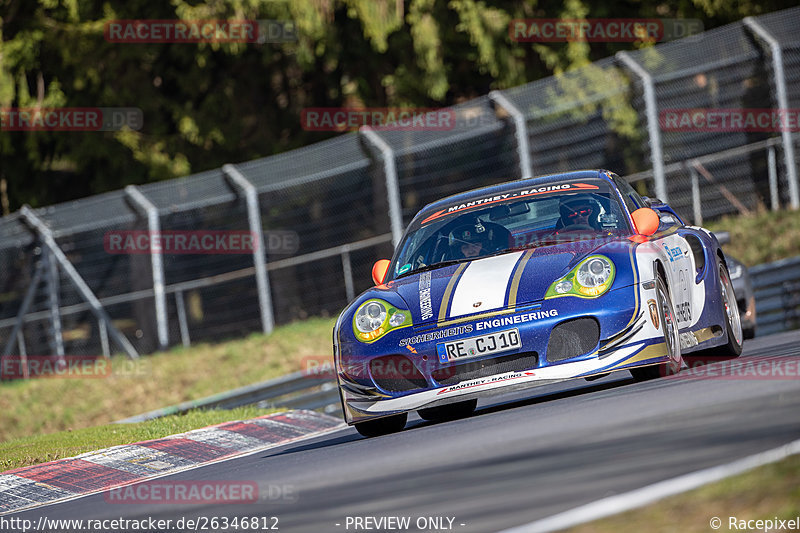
(525, 283)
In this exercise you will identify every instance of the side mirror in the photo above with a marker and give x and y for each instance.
(645, 221)
(649, 201)
(724, 237)
(379, 270)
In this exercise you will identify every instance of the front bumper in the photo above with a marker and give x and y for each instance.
(627, 338)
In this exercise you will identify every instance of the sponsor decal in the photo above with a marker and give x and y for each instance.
(516, 319)
(507, 196)
(425, 305)
(485, 381)
(403, 269)
(436, 335)
(688, 340)
(684, 311)
(673, 253)
(653, 307)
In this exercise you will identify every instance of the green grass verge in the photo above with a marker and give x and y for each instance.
(42, 448)
(764, 493)
(41, 406)
(762, 237)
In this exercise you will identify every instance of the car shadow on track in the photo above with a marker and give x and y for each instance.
(553, 396)
(351, 436)
(325, 442)
(607, 383)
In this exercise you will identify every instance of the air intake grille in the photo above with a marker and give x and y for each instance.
(486, 367)
(396, 373)
(573, 338)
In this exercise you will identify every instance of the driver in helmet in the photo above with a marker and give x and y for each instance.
(467, 241)
(578, 213)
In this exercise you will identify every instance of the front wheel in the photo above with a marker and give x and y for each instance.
(382, 426)
(671, 340)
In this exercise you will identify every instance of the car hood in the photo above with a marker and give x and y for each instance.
(487, 284)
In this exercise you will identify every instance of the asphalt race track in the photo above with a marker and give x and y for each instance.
(519, 458)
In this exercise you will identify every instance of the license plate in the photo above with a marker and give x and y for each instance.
(500, 341)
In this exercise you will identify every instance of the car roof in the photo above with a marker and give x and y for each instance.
(538, 181)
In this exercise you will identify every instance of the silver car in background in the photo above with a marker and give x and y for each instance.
(743, 287)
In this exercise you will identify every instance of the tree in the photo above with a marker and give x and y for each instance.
(211, 103)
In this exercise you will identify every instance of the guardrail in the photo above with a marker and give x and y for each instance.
(777, 290)
(299, 390)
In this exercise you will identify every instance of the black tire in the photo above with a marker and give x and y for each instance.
(733, 322)
(451, 411)
(382, 426)
(671, 339)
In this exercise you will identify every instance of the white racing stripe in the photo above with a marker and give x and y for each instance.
(655, 492)
(485, 281)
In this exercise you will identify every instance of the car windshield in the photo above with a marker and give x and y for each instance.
(509, 221)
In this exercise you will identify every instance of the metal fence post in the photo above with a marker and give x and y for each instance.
(783, 105)
(521, 132)
(160, 297)
(653, 127)
(392, 185)
(347, 268)
(51, 282)
(182, 322)
(259, 247)
(697, 207)
(772, 168)
(103, 330)
(16, 331)
(47, 238)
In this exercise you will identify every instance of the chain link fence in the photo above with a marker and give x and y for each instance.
(324, 213)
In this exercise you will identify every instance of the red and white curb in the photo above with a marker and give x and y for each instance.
(97, 471)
